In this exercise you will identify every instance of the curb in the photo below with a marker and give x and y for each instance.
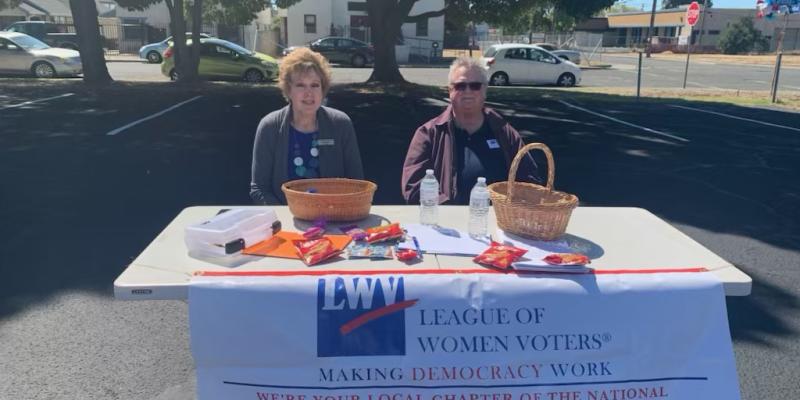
(423, 65)
(590, 67)
(125, 60)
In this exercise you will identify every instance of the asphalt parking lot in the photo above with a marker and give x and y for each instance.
(90, 177)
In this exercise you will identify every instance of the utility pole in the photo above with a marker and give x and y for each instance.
(776, 73)
(650, 31)
(702, 25)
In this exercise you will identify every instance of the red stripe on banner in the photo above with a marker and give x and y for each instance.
(443, 272)
(375, 314)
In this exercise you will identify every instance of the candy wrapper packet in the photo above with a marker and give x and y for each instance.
(317, 230)
(316, 250)
(384, 233)
(567, 259)
(354, 232)
(366, 250)
(500, 255)
(406, 254)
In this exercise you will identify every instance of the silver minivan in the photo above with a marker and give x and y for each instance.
(23, 54)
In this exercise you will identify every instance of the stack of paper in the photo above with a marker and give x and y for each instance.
(537, 251)
(440, 240)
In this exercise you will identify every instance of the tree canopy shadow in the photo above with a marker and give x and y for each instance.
(79, 207)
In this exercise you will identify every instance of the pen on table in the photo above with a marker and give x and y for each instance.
(416, 245)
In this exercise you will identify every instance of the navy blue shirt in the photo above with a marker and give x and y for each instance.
(478, 155)
(303, 160)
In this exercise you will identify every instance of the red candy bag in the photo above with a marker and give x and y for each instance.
(500, 255)
(406, 254)
(315, 251)
(385, 232)
(567, 259)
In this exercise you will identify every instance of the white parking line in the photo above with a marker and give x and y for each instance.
(36, 101)
(156, 115)
(739, 118)
(646, 129)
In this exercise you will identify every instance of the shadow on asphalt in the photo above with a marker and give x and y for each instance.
(78, 206)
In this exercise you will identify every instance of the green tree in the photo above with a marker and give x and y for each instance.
(742, 37)
(545, 16)
(233, 12)
(677, 3)
(620, 6)
(9, 3)
(90, 43)
(386, 18)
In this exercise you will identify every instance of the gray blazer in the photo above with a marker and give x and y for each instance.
(339, 156)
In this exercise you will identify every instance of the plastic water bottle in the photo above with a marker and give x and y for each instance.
(429, 199)
(479, 209)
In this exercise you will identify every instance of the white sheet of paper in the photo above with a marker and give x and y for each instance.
(442, 240)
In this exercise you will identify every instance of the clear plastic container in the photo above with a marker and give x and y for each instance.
(230, 232)
(479, 209)
(429, 199)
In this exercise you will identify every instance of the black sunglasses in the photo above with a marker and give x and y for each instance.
(462, 86)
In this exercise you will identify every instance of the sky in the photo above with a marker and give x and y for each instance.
(717, 3)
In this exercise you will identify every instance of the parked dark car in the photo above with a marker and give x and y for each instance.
(52, 34)
(341, 50)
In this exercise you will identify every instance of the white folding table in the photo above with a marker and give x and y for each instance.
(614, 237)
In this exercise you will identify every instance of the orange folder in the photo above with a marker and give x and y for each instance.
(282, 245)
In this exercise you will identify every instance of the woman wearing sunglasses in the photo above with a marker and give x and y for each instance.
(466, 141)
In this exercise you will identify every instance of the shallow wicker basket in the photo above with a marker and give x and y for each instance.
(531, 210)
(335, 199)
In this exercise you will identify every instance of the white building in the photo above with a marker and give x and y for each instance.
(309, 20)
(156, 15)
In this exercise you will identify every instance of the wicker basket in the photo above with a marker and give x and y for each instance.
(336, 199)
(531, 210)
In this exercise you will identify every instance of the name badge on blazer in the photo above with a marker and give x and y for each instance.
(325, 142)
(492, 143)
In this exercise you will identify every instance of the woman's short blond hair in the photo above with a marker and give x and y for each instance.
(301, 61)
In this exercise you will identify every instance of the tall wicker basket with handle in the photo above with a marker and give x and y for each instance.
(335, 199)
(531, 210)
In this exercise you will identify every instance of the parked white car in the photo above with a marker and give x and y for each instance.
(512, 64)
(23, 54)
(566, 54)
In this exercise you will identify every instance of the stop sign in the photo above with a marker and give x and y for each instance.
(693, 13)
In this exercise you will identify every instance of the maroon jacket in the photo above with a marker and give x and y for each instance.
(433, 147)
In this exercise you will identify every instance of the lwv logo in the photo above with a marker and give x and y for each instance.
(361, 316)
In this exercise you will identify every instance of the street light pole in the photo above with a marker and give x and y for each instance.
(650, 30)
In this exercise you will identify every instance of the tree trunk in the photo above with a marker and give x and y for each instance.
(181, 52)
(197, 25)
(84, 14)
(385, 23)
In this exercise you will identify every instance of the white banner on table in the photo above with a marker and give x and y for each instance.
(470, 336)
